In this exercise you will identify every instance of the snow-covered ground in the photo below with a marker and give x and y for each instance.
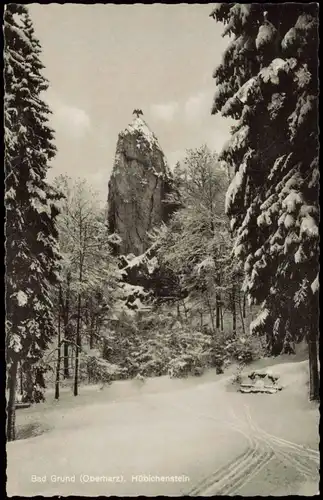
(170, 437)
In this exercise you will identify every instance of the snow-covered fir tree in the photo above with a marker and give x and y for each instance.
(32, 256)
(268, 81)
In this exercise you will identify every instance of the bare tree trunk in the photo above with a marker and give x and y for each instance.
(244, 306)
(185, 310)
(178, 312)
(77, 348)
(211, 314)
(66, 318)
(241, 315)
(218, 311)
(72, 357)
(201, 320)
(28, 384)
(92, 322)
(312, 339)
(221, 311)
(91, 339)
(98, 326)
(21, 379)
(313, 366)
(66, 360)
(234, 310)
(58, 365)
(11, 407)
(314, 374)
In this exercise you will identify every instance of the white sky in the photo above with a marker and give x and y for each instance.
(103, 61)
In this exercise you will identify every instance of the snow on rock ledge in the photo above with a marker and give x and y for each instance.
(139, 183)
(140, 127)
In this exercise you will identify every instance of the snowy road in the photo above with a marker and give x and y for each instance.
(200, 440)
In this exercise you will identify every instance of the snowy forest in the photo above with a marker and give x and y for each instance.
(205, 266)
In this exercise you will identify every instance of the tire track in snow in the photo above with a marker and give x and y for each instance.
(233, 479)
(231, 476)
(262, 448)
(218, 479)
(242, 480)
(286, 451)
(308, 452)
(218, 474)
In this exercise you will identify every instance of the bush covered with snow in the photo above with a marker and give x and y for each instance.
(158, 344)
(246, 349)
(98, 369)
(184, 365)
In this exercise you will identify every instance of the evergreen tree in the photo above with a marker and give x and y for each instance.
(268, 81)
(32, 256)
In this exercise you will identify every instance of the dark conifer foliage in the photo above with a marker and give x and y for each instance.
(268, 81)
(32, 256)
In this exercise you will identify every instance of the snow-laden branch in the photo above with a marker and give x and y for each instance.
(136, 261)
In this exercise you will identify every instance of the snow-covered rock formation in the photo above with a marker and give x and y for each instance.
(138, 186)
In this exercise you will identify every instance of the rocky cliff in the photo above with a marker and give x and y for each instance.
(138, 187)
